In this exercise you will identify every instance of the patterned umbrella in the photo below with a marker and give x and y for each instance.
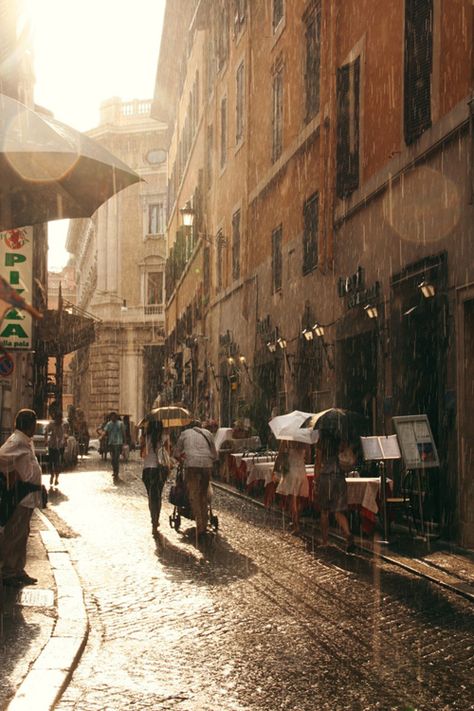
(170, 416)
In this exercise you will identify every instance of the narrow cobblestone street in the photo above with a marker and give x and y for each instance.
(254, 620)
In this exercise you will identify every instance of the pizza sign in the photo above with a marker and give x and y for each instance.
(16, 267)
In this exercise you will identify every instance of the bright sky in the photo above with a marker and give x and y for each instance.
(86, 51)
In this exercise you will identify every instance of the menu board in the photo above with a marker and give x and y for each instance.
(416, 441)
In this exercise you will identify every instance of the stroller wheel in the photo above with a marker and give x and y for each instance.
(171, 522)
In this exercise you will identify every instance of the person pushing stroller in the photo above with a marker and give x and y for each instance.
(195, 447)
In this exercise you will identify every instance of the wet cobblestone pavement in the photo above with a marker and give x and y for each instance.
(255, 620)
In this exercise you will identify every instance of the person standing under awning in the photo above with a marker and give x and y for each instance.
(17, 455)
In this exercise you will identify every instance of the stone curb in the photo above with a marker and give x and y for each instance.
(49, 675)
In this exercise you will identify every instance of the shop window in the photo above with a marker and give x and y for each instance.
(277, 113)
(347, 152)
(312, 21)
(277, 259)
(418, 67)
(239, 104)
(310, 233)
(236, 245)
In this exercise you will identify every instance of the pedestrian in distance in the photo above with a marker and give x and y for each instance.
(156, 469)
(195, 447)
(290, 464)
(18, 461)
(115, 434)
(330, 486)
(55, 439)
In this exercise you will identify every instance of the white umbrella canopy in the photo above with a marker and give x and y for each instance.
(50, 171)
(289, 427)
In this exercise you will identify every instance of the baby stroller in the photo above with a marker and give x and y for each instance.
(178, 496)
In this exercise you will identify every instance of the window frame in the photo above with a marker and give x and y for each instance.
(310, 233)
(159, 208)
(312, 18)
(348, 128)
(277, 19)
(223, 133)
(277, 259)
(277, 111)
(240, 103)
(236, 241)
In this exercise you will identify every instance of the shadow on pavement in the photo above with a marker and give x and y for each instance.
(18, 637)
(219, 564)
(430, 603)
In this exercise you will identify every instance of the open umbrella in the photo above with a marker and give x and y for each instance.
(50, 171)
(170, 416)
(347, 424)
(289, 427)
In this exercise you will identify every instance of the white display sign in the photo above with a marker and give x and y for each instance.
(16, 260)
(416, 441)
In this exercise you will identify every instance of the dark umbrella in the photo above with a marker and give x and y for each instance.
(50, 171)
(345, 423)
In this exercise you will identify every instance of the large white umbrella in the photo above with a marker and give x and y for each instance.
(288, 427)
(50, 171)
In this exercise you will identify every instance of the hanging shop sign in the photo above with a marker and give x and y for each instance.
(354, 289)
(16, 267)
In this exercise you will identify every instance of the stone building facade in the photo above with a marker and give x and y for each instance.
(326, 151)
(119, 258)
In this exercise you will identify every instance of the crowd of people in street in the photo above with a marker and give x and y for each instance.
(192, 452)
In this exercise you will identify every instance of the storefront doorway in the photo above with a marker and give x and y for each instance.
(357, 375)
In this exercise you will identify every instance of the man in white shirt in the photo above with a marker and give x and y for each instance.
(18, 459)
(195, 446)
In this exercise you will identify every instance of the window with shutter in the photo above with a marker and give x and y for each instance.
(223, 132)
(347, 151)
(312, 21)
(277, 259)
(239, 104)
(219, 261)
(206, 271)
(418, 67)
(236, 245)
(277, 117)
(310, 233)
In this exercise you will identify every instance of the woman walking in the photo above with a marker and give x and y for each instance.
(156, 467)
(330, 486)
(293, 481)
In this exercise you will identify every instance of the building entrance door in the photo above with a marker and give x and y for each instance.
(357, 375)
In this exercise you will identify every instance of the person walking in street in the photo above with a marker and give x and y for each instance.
(156, 468)
(55, 440)
(293, 480)
(115, 434)
(18, 459)
(330, 486)
(195, 446)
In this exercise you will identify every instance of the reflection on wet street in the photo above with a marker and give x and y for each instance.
(250, 620)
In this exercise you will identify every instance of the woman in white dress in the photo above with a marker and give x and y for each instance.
(293, 481)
